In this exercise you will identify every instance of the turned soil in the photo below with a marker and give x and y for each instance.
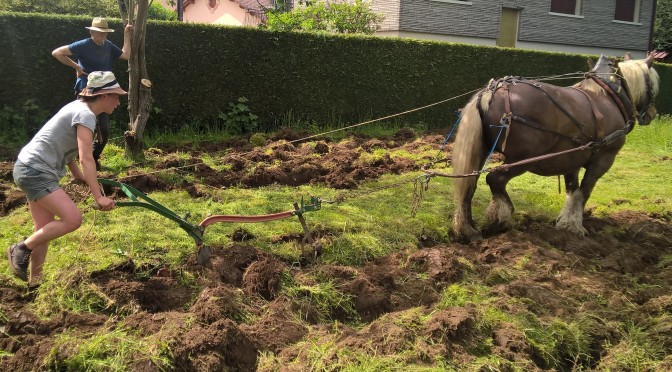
(240, 311)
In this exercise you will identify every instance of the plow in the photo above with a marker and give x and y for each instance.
(196, 231)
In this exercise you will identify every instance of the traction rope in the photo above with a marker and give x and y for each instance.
(421, 183)
(273, 146)
(502, 167)
(573, 75)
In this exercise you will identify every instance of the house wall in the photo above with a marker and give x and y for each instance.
(448, 38)
(391, 11)
(564, 48)
(477, 21)
(225, 12)
(596, 26)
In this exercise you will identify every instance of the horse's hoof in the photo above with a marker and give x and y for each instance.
(471, 235)
(496, 228)
(573, 228)
(476, 239)
(581, 231)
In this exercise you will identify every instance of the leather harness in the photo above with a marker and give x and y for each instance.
(618, 93)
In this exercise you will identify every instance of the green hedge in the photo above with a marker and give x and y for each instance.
(197, 70)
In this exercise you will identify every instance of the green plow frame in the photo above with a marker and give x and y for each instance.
(197, 231)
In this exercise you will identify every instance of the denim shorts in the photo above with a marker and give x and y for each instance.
(35, 183)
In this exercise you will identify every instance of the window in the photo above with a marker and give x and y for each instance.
(572, 7)
(465, 2)
(627, 10)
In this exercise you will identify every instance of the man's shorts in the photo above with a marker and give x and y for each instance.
(36, 184)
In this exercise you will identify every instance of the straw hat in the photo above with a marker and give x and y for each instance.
(101, 82)
(100, 24)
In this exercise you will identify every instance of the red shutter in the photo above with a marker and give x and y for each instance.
(563, 6)
(625, 10)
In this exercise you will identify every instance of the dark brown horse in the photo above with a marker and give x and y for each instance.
(549, 130)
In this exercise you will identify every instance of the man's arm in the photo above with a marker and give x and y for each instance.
(126, 49)
(62, 55)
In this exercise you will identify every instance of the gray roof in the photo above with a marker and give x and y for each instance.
(255, 5)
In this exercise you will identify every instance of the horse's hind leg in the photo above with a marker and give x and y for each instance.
(571, 216)
(500, 210)
(463, 222)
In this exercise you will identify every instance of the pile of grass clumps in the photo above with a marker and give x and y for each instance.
(320, 302)
(363, 228)
(114, 350)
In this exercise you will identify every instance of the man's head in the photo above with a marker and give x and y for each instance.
(103, 86)
(100, 24)
(99, 29)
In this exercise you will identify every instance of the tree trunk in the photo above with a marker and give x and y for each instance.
(139, 85)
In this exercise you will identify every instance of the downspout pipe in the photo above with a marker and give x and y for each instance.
(653, 25)
(180, 10)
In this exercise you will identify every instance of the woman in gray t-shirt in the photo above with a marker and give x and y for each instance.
(42, 163)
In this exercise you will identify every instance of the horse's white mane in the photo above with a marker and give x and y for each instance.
(590, 85)
(633, 72)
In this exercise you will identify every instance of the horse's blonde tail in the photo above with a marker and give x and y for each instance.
(468, 146)
(468, 151)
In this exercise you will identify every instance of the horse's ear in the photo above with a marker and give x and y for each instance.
(627, 57)
(649, 59)
(591, 64)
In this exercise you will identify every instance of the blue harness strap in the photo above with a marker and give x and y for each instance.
(501, 129)
(452, 130)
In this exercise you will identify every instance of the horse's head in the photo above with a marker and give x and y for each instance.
(643, 83)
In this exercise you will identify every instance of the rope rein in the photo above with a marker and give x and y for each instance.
(573, 75)
(503, 167)
(273, 146)
(421, 183)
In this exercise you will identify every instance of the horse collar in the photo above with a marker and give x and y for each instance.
(619, 94)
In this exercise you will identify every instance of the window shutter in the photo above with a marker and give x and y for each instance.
(625, 10)
(563, 6)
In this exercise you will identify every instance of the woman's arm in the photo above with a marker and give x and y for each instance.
(76, 172)
(88, 167)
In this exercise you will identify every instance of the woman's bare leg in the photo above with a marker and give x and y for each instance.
(47, 228)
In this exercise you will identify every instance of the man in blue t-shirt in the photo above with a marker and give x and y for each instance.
(95, 54)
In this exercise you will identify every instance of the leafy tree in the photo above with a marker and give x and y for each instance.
(97, 8)
(323, 16)
(139, 85)
(662, 34)
(159, 12)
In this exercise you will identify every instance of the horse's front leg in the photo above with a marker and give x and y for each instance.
(571, 216)
(500, 210)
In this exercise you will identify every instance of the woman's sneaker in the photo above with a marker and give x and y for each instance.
(19, 257)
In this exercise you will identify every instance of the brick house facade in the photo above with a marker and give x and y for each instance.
(612, 27)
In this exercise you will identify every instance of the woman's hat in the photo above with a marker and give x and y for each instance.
(100, 24)
(101, 82)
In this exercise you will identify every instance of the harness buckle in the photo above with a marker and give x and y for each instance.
(506, 119)
(597, 145)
